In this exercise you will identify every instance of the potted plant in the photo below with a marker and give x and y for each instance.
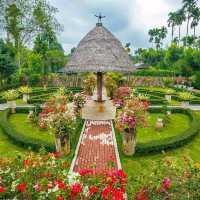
(185, 96)
(133, 114)
(10, 96)
(59, 119)
(79, 100)
(25, 91)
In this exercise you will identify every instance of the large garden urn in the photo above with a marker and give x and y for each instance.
(159, 124)
(129, 141)
(62, 143)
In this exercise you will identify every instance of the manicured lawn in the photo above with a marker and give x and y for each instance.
(23, 126)
(177, 124)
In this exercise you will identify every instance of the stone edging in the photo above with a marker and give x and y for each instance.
(116, 148)
(77, 149)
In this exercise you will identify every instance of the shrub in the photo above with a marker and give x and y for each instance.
(10, 95)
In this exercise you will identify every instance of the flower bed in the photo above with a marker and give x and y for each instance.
(46, 177)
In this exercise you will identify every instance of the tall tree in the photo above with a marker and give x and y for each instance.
(157, 35)
(7, 62)
(180, 18)
(188, 7)
(24, 19)
(195, 19)
(172, 22)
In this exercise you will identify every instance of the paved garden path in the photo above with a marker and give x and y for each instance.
(97, 147)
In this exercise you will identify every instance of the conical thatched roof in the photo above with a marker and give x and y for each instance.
(99, 51)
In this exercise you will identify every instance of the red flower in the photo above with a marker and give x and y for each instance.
(26, 163)
(21, 187)
(166, 184)
(93, 190)
(117, 194)
(60, 184)
(106, 191)
(84, 172)
(76, 189)
(2, 189)
(60, 198)
(50, 185)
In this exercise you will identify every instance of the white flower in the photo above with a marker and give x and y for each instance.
(73, 178)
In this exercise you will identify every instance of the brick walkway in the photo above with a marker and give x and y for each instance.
(97, 148)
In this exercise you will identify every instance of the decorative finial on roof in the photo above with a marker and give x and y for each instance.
(100, 17)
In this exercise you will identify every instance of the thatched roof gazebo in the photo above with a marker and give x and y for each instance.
(99, 51)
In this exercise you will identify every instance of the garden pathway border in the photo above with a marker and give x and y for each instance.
(97, 146)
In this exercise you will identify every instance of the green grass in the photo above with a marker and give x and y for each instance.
(178, 123)
(23, 126)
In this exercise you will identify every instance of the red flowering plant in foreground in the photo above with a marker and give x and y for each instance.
(47, 177)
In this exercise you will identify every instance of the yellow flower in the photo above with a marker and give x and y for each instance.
(197, 166)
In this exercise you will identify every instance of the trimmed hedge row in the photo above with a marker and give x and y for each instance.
(21, 140)
(26, 142)
(175, 141)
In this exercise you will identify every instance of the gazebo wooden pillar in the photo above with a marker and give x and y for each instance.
(99, 86)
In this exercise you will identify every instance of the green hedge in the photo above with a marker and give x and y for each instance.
(175, 141)
(26, 142)
(17, 138)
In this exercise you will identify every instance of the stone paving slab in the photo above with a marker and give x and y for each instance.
(97, 148)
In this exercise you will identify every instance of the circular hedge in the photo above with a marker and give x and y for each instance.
(174, 141)
(29, 142)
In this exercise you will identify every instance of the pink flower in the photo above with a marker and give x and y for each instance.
(166, 184)
(37, 187)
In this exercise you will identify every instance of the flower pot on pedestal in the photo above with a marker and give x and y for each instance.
(129, 142)
(25, 98)
(185, 104)
(168, 97)
(12, 106)
(62, 144)
(159, 124)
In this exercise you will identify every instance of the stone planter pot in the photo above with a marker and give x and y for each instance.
(129, 142)
(168, 97)
(159, 124)
(12, 106)
(62, 144)
(25, 98)
(185, 104)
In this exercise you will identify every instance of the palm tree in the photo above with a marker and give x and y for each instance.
(188, 7)
(195, 19)
(180, 18)
(172, 22)
(157, 35)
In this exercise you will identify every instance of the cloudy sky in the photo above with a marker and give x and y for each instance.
(129, 20)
